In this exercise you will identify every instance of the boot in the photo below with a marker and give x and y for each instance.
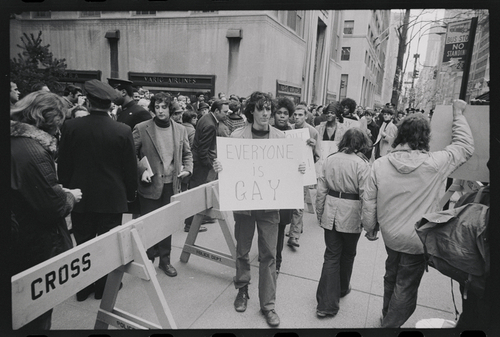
(240, 303)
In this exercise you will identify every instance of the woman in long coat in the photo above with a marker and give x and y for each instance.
(338, 209)
(39, 205)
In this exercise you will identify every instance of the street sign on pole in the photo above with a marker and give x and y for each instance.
(458, 43)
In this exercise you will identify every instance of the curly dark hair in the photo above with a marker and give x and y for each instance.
(257, 100)
(355, 140)
(161, 97)
(415, 131)
(349, 103)
(285, 102)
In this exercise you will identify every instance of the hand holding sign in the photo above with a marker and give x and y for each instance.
(307, 154)
(257, 174)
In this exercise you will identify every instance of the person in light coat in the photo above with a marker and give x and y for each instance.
(386, 135)
(338, 209)
(403, 186)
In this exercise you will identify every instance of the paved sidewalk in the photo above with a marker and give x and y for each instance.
(202, 295)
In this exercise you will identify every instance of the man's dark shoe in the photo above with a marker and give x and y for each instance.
(240, 303)
(208, 220)
(272, 317)
(202, 229)
(346, 293)
(293, 242)
(169, 270)
(85, 292)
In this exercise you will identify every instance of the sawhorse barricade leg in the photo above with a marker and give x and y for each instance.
(142, 268)
(190, 247)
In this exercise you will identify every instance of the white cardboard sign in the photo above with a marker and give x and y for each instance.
(307, 155)
(260, 173)
(477, 116)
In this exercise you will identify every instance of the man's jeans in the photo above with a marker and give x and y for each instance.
(403, 273)
(267, 229)
(297, 224)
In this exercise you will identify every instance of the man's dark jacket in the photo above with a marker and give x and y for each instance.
(132, 114)
(97, 155)
(205, 141)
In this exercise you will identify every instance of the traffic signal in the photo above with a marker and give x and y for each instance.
(434, 75)
(415, 74)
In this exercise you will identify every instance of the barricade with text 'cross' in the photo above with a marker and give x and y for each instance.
(121, 250)
(203, 201)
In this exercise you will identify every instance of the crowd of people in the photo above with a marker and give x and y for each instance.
(111, 148)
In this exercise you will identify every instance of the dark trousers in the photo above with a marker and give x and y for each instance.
(164, 247)
(476, 310)
(403, 273)
(285, 219)
(337, 269)
(199, 177)
(87, 226)
(267, 229)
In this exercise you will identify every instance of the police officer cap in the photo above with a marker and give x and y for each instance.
(176, 107)
(119, 84)
(203, 105)
(100, 92)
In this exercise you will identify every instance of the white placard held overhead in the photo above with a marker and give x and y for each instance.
(260, 173)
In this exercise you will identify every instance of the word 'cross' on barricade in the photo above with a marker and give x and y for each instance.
(203, 201)
(42, 287)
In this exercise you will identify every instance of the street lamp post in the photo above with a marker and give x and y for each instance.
(412, 102)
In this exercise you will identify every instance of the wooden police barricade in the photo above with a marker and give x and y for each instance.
(121, 250)
(204, 201)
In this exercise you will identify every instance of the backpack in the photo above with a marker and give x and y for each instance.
(456, 243)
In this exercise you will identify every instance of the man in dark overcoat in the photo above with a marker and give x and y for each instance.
(129, 112)
(97, 155)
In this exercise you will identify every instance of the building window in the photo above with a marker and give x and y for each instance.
(366, 57)
(145, 13)
(348, 26)
(41, 15)
(346, 54)
(94, 14)
(293, 20)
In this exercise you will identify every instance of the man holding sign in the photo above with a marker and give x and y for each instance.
(297, 224)
(415, 178)
(258, 112)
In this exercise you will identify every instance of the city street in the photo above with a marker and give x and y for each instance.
(202, 295)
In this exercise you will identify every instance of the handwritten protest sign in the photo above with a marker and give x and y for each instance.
(327, 148)
(307, 154)
(477, 116)
(260, 173)
(351, 123)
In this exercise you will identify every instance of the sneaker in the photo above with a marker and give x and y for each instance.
(272, 317)
(322, 314)
(240, 303)
(293, 242)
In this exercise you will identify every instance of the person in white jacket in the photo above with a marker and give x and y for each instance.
(386, 134)
(403, 186)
